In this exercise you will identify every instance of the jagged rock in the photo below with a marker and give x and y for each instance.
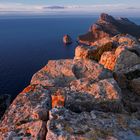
(84, 52)
(55, 73)
(64, 124)
(117, 61)
(29, 109)
(61, 72)
(104, 95)
(5, 100)
(67, 39)
(92, 52)
(107, 26)
(28, 131)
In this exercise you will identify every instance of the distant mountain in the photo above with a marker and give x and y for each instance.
(54, 7)
(108, 26)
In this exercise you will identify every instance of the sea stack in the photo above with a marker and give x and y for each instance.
(67, 39)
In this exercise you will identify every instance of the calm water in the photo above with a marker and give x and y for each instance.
(26, 45)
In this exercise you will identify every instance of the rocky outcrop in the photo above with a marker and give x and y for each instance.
(93, 96)
(108, 26)
(64, 124)
(67, 39)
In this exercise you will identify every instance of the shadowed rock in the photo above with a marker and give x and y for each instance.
(64, 124)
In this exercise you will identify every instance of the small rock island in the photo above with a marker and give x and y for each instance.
(67, 40)
(95, 96)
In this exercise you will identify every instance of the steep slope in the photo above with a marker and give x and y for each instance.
(108, 26)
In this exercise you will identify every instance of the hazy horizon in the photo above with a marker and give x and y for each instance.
(73, 7)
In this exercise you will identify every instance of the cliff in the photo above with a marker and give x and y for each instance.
(96, 95)
(108, 26)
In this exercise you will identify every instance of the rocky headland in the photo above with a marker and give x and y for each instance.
(95, 96)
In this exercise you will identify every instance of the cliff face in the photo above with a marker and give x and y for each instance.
(93, 96)
(108, 26)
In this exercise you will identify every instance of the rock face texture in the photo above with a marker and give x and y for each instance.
(64, 124)
(95, 96)
(67, 39)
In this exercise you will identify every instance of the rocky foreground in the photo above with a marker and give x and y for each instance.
(95, 96)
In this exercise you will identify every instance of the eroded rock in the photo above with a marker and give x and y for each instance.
(104, 95)
(65, 124)
(29, 109)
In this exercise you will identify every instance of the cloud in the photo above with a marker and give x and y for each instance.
(98, 8)
(133, 8)
(54, 7)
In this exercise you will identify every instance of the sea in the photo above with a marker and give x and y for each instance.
(28, 43)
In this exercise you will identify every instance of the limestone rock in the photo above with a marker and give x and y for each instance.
(65, 124)
(67, 39)
(55, 73)
(92, 52)
(108, 26)
(84, 52)
(135, 85)
(27, 108)
(104, 95)
(61, 72)
(117, 61)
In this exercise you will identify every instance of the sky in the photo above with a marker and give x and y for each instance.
(70, 6)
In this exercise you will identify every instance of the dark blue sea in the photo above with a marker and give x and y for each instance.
(27, 43)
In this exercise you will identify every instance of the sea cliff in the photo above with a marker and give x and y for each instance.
(95, 96)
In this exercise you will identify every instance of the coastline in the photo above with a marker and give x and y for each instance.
(93, 86)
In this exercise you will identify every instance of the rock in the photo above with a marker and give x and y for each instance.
(135, 85)
(5, 100)
(104, 95)
(108, 59)
(67, 39)
(84, 52)
(108, 26)
(61, 72)
(92, 52)
(56, 73)
(65, 124)
(116, 61)
(127, 40)
(29, 109)
(28, 131)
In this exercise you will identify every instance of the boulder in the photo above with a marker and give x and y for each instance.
(135, 85)
(67, 39)
(84, 52)
(92, 52)
(64, 124)
(116, 61)
(104, 95)
(28, 110)
(28, 131)
(59, 73)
